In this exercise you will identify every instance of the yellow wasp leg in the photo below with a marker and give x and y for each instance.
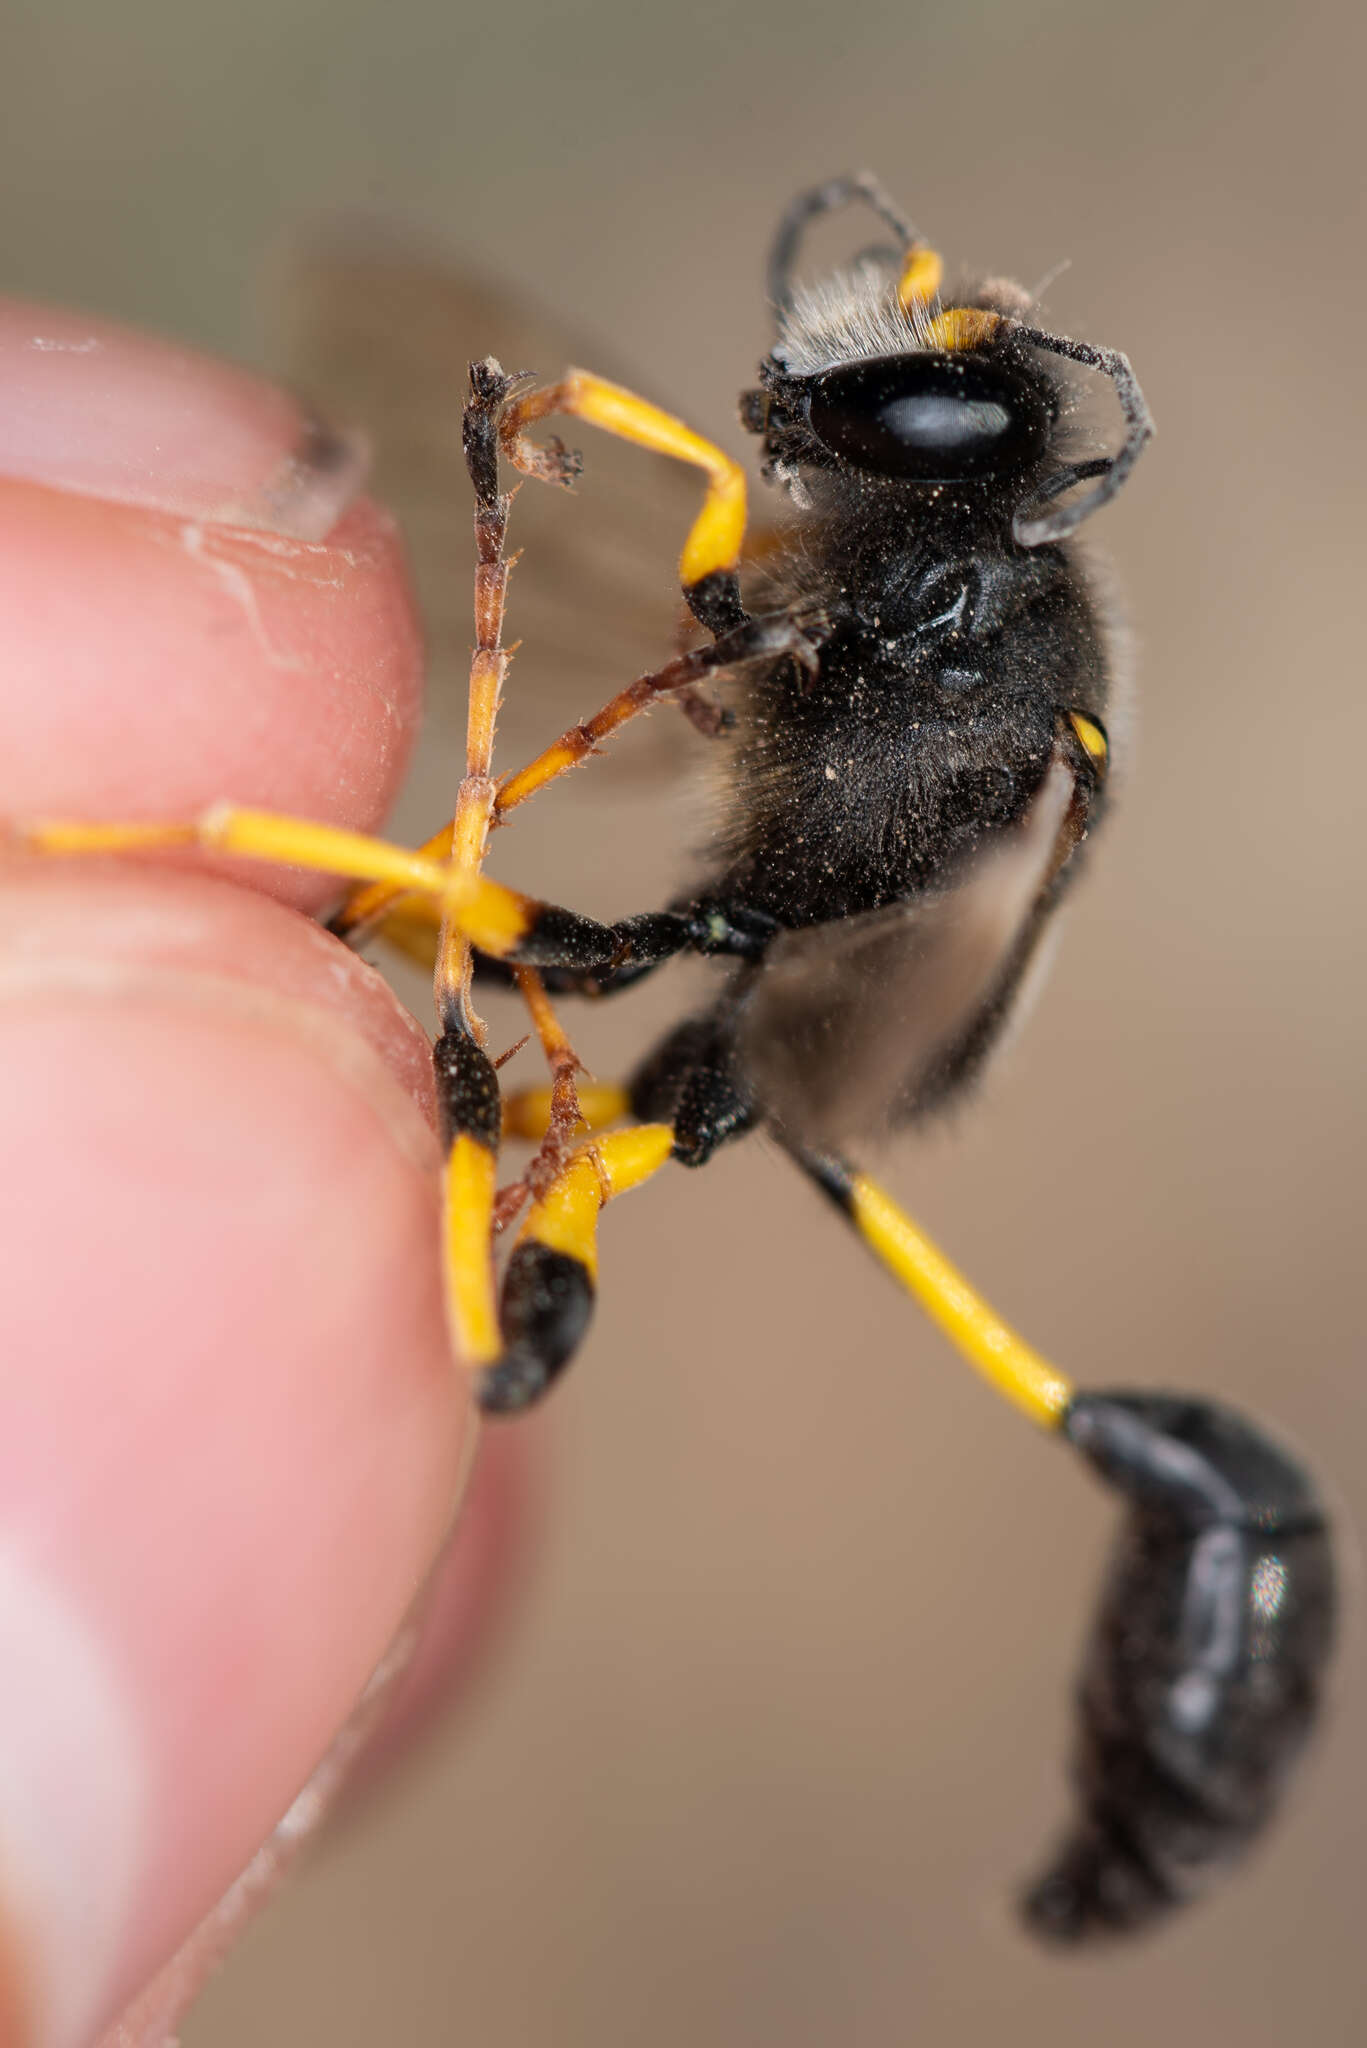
(469, 1182)
(972, 1326)
(474, 812)
(551, 1282)
(576, 744)
(499, 921)
(527, 1112)
(707, 570)
(713, 545)
(565, 1117)
(371, 903)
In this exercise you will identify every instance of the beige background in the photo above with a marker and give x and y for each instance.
(786, 1712)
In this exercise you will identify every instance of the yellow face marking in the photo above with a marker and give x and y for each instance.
(1092, 737)
(962, 327)
(979, 1333)
(921, 276)
(468, 1208)
(714, 540)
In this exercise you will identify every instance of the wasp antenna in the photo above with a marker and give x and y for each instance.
(1034, 532)
(809, 206)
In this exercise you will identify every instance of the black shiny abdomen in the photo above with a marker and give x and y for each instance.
(1203, 1674)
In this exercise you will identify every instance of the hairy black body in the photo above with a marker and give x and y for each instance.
(930, 724)
(918, 679)
(950, 659)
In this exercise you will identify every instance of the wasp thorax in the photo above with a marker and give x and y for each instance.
(936, 418)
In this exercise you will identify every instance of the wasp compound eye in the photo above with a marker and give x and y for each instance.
(1203, 1676)
(933, 418)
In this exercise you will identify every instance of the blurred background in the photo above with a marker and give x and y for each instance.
(784, 1717)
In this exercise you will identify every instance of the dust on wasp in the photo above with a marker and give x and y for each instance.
(906, 690)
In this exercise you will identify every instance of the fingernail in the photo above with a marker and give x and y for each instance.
(72, 1798)
(102, 410)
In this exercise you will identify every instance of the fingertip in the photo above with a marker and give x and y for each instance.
(468, 1600)
(102, 410)
(234, 1436)
(194, 602)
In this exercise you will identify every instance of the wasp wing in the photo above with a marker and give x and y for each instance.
(379, 336)
(870, 1021)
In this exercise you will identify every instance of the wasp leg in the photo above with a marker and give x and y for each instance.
(754, 639)
(709, 566)
(628, 950)
(465, 837)
(690, 1081)
(469, 830)
(551, 1281)
(693, 1081)
(549, 1288)
(471, 1120)
(978, 1332)
(1203, 1674)
(760, 639)
(500, 922)
(1032, 526)
(621, 954)
(527, 1111)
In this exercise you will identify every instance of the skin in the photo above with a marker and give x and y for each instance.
(234, 1441)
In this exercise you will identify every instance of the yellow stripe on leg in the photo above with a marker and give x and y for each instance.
(977, 1330)
(714, 539)
(527, 1114)
(630, 1157)
(467, 1228)
(566, 1218)
(490, 916)
(371, 900)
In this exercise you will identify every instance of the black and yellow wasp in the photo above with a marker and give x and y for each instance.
(907, 688)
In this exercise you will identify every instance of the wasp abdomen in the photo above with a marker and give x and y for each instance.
(1203, 1675)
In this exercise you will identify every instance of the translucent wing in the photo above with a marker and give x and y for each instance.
(379, 337)
(862, 1023)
